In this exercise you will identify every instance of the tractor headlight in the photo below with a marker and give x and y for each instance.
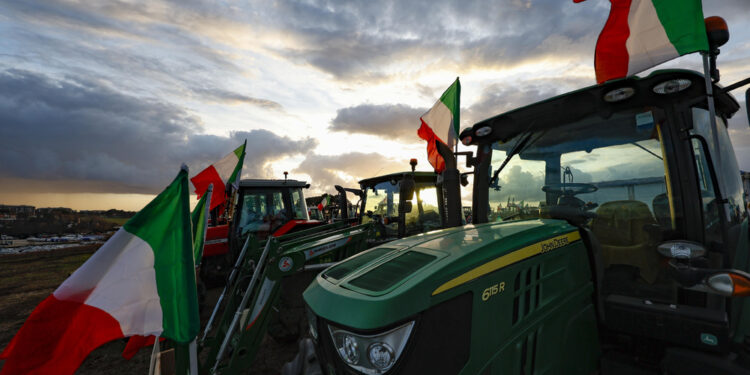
(672, 86)
(371, 354)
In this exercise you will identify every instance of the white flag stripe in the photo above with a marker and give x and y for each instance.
(648, 44)
(225, 166)
(440, 119)
(119, 279)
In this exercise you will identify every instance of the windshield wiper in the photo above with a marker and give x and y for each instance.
(517, 148)
(647, 150)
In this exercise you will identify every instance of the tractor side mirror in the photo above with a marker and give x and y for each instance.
(406, 192)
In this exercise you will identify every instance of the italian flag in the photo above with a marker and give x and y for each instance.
(441, 123)
(640, 34)
(222, 174)
(199, 223)
(140, 282)
(324, 202)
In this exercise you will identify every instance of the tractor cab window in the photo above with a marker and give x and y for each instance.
(613, 168)
(262, 212)
(298, 202)
(425, 214)
(381, 206)
(254, 209)
(725, 169)
(517, 193)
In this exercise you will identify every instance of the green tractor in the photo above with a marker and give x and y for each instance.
(629, 254)
(385, 204)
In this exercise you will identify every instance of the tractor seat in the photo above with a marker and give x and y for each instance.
(619, 227)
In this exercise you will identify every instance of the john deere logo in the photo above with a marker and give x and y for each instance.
(709, 339)
(285, 264)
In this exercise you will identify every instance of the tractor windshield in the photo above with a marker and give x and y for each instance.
(613, 167)
(382, 201)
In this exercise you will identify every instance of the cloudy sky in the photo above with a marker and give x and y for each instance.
(100, 102)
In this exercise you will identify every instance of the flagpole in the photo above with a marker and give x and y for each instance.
(154, 366)
(193, 348)
(711, 106)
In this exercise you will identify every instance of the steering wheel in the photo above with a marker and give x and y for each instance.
(569, 189)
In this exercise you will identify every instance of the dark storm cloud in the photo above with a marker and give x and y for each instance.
(500, 98)
(77, 129)
(356, 40)
(230, 97)
(137, 44)
(346, 169)
(400, 122)
(393, 121)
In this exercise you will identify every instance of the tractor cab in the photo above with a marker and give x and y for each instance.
(386, 201)
(610, 235)
(275, 207)
(260, 208)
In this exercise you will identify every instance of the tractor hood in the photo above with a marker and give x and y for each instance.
(399, 279)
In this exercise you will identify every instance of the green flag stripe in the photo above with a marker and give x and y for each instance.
(452, 99)
(165, 225)
(683, 22)
(240, 152)
(198, 219)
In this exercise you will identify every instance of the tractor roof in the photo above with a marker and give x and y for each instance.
(576, 105)
(423, 177)
(274, 183)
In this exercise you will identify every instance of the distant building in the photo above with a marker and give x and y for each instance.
(53, 210)
(17, 210)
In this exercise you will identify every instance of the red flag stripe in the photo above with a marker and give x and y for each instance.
(207, 177)
(57, 337)
(611, 58)
(426, 133)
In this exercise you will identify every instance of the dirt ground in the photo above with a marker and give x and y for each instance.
(26, 279)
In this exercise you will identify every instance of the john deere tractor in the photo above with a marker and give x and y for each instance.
(635, 260)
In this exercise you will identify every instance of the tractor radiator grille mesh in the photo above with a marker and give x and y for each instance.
(526, 291)
(526, 353)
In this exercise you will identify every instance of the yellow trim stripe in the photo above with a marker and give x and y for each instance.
(666, 176)
(508, 259)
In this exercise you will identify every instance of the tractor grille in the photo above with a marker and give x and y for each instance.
(527, 292)
(439, 344)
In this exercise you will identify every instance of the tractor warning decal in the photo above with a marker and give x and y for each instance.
(286, 264)
(510, 258)
(322, 249)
